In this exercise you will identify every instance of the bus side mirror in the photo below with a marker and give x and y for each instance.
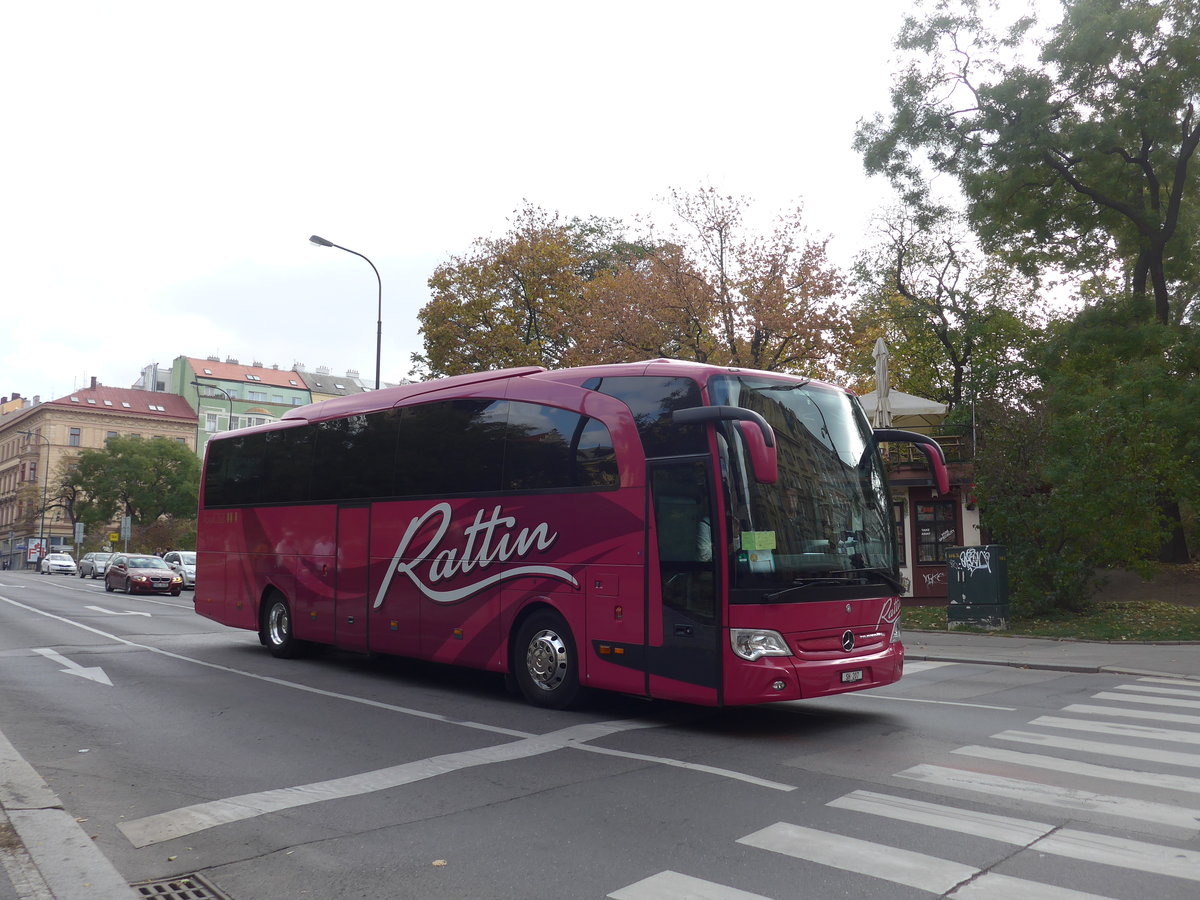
(754, 429)
(927, 445)
(763, 458)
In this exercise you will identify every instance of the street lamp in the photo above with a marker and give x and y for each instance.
(45, 483)
(227, 397)
(321, 242)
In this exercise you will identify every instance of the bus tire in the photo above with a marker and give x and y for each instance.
(544, 662)
(277, 628)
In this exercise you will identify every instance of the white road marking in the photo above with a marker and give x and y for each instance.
(670, 885)
(91, 673)
(1003, 887)
(1139, 856)
(1056, 796)
(1151, 689)
(917, 870)
(874, 695)
(113, 612)
(1073, 767)
(1119, 729)
(923, 666)
(1152, 700)
(1121, 712)
(1102, 748)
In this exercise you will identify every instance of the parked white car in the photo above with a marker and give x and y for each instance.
(58, 564)
(184, 563)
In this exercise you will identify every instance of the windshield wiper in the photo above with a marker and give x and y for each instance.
(804, 583)
(840, 577)
(884, 575)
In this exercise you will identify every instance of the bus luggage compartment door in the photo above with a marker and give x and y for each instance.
(351, 597)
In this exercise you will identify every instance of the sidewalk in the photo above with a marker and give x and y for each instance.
(46, 855)
(1175, 660)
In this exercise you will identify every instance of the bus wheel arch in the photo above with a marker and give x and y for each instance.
(544, 658)
(277, 627)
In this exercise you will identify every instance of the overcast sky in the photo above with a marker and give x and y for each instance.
(165, 163)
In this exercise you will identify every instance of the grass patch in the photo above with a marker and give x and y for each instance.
(1105, 621)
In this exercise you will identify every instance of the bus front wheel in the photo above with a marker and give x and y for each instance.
(277, 632)
(544, 661)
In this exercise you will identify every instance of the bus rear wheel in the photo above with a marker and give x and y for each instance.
(276, 631)
(544, 661)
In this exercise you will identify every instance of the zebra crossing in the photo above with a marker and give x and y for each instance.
(1087, 747)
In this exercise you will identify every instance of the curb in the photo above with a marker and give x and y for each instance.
(1050, 666)
(54, 858)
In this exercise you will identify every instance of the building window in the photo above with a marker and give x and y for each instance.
(73, 438)
(259, 396)
(108, 437)
(936, 529)
(210, 421)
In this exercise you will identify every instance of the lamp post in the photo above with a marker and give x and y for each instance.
(45, 483)
(213, 387)
(321, 242)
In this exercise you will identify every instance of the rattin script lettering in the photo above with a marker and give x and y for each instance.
(486, 541)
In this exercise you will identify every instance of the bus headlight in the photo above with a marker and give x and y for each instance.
(753, 643)
(895, 632)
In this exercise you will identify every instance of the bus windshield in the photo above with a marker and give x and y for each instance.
(827, 520)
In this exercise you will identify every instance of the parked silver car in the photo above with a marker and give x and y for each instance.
(58, 564)
(183, 562)
(94, 564)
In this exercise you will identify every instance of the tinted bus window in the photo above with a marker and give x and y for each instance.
(451, 447)
(268, 467)
(555, 448)
(355, 457)
(652, 400)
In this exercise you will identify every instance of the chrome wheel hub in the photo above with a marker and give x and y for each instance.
(546, 660)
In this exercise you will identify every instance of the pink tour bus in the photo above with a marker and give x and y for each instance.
(664, 529)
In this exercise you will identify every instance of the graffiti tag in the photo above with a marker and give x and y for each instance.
(933, 578)
(975, 559)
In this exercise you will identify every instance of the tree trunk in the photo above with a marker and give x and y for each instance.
(1174, 548)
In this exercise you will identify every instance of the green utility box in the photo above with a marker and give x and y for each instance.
(978, 582)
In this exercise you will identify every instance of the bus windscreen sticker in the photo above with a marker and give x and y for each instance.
(486, 541)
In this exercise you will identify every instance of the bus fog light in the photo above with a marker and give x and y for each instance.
(778, 685)
(755, 643)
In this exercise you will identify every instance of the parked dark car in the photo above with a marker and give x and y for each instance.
(94, 564)
(140, 573)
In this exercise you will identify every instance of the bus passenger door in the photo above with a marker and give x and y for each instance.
(351, 600)
(687, 665)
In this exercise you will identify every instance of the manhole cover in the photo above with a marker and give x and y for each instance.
(185, 887)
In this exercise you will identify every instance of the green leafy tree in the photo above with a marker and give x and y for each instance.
(146, 480)
(1079, 159)
(960, 325)
(1086, 475)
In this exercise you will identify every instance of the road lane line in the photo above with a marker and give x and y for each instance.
(1182, 783)
(1121, 712)
(1119, 729)
(1151, 700)
(1006, 829)
(916, 870)
(1055, 796)
(670, 885)
(1101, 748)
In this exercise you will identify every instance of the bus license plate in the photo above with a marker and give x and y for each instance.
(852, 676)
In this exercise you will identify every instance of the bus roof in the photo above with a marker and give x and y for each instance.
(388, 398)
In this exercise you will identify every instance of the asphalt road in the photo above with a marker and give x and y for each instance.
(183, 747)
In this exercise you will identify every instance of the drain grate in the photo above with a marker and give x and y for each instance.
(185, 887)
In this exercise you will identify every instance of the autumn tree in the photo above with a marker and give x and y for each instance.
(960, 324)
(516, 300)
(1080, 158)
(774, 297)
